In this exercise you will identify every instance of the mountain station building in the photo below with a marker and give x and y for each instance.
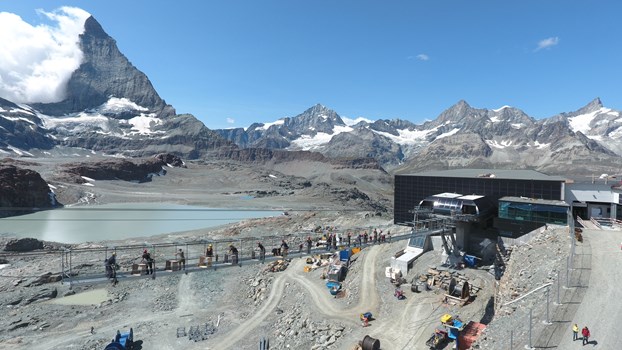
(522, 200)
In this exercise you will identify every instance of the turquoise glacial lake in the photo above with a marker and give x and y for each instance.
(121, 221)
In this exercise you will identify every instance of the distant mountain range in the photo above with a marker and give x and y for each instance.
(111, 108)
(583, 141)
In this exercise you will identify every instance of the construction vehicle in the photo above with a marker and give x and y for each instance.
(122, 341)
(448, 331)
(438, 340)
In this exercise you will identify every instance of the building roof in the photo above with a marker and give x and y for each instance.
(491, 174)
(447, 195)
(534, 201)
(471, 197)
(596, 196)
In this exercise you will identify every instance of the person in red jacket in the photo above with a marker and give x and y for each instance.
(585, 332)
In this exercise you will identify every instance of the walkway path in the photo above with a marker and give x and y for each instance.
(593, 298)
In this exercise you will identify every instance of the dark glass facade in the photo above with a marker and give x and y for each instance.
(410, 190)
(541, 213)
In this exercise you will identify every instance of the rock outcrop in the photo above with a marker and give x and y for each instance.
(23, 245)
(22, 191)
(116, 169)
(170, 160)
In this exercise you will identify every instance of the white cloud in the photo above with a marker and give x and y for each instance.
(351, 122)
(36, 61)
(230, 121)
(423, 57)
(547, 43)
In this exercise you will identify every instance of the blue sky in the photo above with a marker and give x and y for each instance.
(231, 63)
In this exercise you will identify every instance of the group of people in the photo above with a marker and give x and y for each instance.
(331, 239)
(112, 266)
(376, 236)
(585, 333)
(282, 250)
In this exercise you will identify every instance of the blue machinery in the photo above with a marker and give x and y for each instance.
(122, 341)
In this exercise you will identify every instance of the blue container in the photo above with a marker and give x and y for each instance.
(332, 284)
(454, 333)
(344, 255)
(469, 260)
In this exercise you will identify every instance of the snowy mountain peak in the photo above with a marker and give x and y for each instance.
(458, 112)
(318, 117)
(501, 108)
(104, 72)
(593, 106)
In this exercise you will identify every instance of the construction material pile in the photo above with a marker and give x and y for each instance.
(277, 266)
(440, 278)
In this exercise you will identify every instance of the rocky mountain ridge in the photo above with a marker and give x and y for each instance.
(112, 109)
(461, 136)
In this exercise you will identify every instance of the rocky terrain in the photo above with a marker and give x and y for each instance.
(240, 305)
(113, 139)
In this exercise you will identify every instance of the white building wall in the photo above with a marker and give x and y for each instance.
(600, 200)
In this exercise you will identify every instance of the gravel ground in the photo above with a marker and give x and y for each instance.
(291, 308)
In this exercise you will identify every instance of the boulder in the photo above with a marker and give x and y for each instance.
(23, 245)
(170, 159)
(44, 294)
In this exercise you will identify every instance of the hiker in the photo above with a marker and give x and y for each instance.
(209, 254)
(234, 254)
(335, 241)
(182, 259)
(575, 332)
(148, 260)
(365, 320)
(262, 252)
(111, 268)
(585, 332)
(309, 243)
(108, 268)
(284, 249)
(399, 294)
(349, 238)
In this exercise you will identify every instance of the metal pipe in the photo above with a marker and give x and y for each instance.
(70, 273)
(547, 306)
(532, 291)
(153, 271)
(62, 266)
(559, 282)
(530, 321)
(568, 272)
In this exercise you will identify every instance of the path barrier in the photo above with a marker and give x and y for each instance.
(86, 265)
